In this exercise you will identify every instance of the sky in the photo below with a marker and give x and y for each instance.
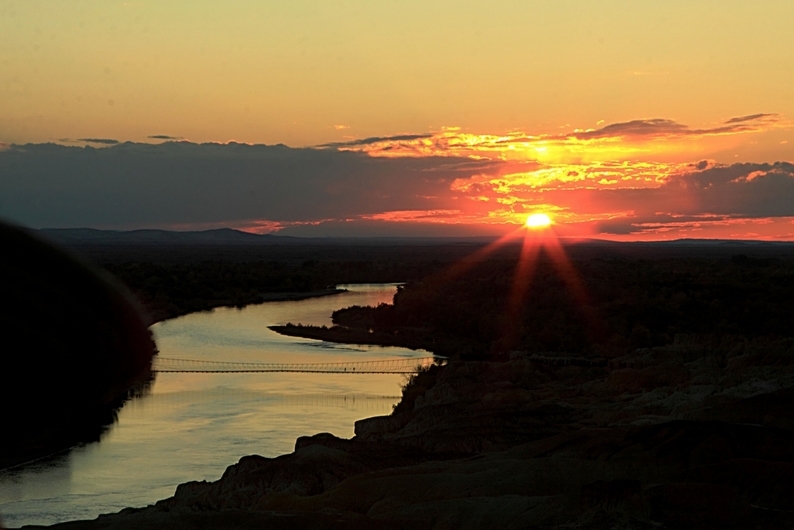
(620, 120)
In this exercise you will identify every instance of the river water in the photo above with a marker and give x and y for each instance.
(191, 426)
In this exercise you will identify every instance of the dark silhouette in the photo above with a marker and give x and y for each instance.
(74, 348)
(631, 303)
(651, 387)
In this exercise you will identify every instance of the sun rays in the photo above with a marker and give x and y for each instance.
(536, 237)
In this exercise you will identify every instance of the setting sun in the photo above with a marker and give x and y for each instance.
(538, 220)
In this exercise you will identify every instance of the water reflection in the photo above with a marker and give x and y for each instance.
(50, 476)
(175, 400)
(192, 426)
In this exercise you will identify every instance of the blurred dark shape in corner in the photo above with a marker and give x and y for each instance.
(74, 347)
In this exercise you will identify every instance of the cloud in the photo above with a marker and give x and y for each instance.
(659, 127)
(635, 197)
(635, 138)
(739, 193)
(316, 191)
(164, 137)
(653, 127)
(378, 140)
(747, 190)
(751, 117)
(181, 183)
(104, 141)
(443, 216)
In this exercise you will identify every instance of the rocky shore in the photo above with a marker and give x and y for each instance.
(698, 434)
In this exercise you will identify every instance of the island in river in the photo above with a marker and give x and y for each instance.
(664, 401)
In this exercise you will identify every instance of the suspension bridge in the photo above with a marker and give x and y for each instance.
(383, 366)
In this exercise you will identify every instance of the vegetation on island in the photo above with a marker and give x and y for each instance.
(613, 306)
(623, 305)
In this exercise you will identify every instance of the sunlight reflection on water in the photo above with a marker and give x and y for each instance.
(193, 426)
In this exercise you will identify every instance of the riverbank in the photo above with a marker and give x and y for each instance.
(260, 299)
(156, 315)
(346, 335)
(697, 434)
(414, 338)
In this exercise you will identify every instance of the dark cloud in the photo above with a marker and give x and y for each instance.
(104, 141)
(132, 185)
(653, 127)
(751, 117)
(378, 139)
(660, 127)
(471, 166)
(747, 190)
(182, 183)
(376, 228)
(720, 193)
(164, 137)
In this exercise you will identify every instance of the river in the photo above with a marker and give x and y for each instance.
(191, 426)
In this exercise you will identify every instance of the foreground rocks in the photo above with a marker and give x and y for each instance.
(696, 435)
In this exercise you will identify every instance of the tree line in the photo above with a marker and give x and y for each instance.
(620, 304)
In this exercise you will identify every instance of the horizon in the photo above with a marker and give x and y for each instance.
(618, 121)
(514, 239)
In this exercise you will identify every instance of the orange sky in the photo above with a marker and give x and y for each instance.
(557, 173)
(584, 104)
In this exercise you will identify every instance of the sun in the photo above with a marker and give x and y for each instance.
(538, 220)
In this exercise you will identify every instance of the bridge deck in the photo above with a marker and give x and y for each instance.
(385, 366)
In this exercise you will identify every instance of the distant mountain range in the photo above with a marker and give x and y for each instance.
(221, 236)
(229, 236)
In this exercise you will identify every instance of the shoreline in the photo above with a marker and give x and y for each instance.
(154, 318)
(346, 335)
(411, 338)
